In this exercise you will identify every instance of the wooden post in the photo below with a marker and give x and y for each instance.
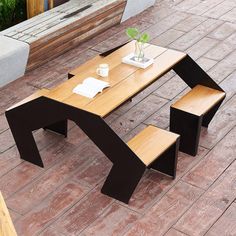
(6, 225)
(34, 7)
(50, 4)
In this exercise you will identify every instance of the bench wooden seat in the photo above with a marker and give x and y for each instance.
(199, 100)
(151, 143)
(193, 110)
(6, 225)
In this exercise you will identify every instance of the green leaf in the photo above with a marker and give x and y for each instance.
(144, 38)
(132, 33)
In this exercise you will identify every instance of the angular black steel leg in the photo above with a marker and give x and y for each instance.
(70, 76)
(24, 141)
(188, 126)
(167, 162)
(192, 74)
(210, 114)
(59, 127)
(122, 181)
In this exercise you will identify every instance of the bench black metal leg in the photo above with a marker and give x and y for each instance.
(188, 126)
(122, 181)
(167, 162)
(210, 114)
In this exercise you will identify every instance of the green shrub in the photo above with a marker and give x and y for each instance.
(11, 12)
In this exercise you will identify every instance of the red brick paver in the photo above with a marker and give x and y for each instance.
(64, 198)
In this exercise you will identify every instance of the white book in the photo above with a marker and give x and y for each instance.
(90, 87)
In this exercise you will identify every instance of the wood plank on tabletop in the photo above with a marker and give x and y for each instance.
(118, 70)
(136, 82)
(117, 75)
(88, 69)
(112, 59)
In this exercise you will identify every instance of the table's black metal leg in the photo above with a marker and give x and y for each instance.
(45, 111)
(127, 169)
(188, 126)
(105, 138)
(70, 76)
(24, 140)
(192, 74)
(59, 127)
(167, 162)
(210, 114)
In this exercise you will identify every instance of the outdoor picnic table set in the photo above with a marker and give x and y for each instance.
(153, 147)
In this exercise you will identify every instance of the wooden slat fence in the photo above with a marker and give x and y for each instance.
(35, 7)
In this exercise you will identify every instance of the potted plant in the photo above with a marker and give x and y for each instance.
(141, 39)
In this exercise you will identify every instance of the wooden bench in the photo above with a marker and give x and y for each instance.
(6, 225)
(193, 110)
(153, 146)
(62, 28)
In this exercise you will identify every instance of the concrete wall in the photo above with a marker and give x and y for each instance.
(134, 7)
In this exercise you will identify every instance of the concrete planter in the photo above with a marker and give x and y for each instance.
(134, 7)
(13, 59)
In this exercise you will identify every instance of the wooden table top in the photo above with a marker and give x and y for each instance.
(125, 80)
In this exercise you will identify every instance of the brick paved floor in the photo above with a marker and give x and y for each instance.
(64, 198)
